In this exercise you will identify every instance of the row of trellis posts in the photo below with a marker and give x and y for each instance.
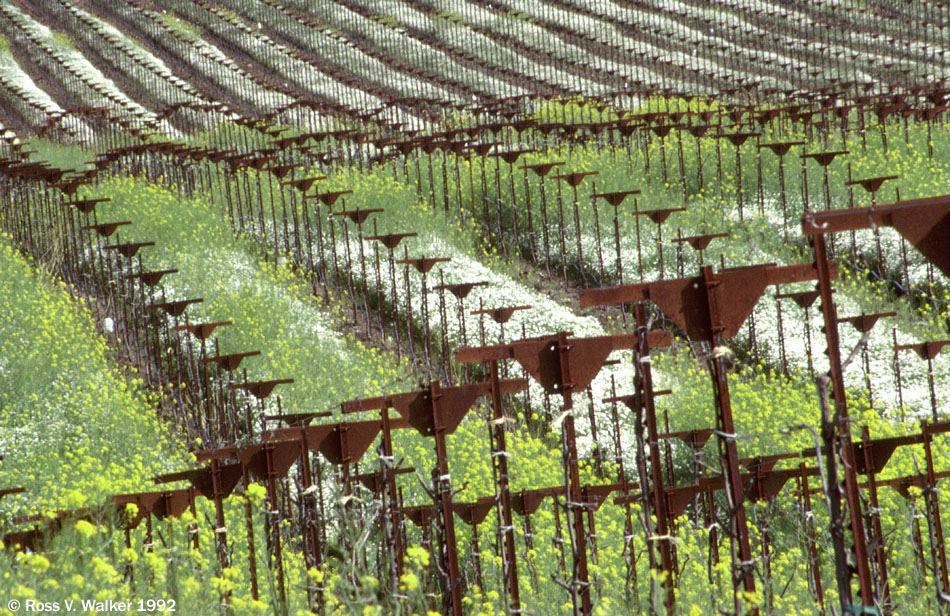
(707, 307)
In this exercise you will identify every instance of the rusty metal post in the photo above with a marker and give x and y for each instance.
(220, 531)
(813, 560)
(852, 494)
(879, 558)
(580, 584)
(500, 465)
(780, 150)
(549, 360)
(644, 391)
(389, 477)
(272, 476)
(925, 350)
(500, 462)
(249, 526)
(387, 474)
(311, 533)
(934, 505)
(444, 496)
(727, 444)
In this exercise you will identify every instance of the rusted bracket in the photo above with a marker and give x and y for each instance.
(804, 299)
(86, 206)
(824, 158)
(346, 443)
(24, 540)
(358, 216)
(530, 347)
(420, 515)
(925, 223)
(696, 130)
(698, 242)
(260, 389)
(176, 308)
(280, 171)
(271, 460)
(150, 279)
(128, 249)
(173, 503)
(391, 240)
(313, 434)
(659, 216)
(574, 179)
(684, 300)
(145, 503)
(105, 229)
(736, 139)
(695, 439)
(925, 350)
(765, 485)
(762, 485)
(201, 331)
(416, 406)
(474, 513)
(903, 484)
(501, 315)
(229, 362)
(880, 451)
(780, 148)
(615, 198)
(329, 198)
(423, 265)
(230, 475)
(865, 322)
(542, 169)
(511, 157)
(460, 290)
(871, 184)
(595, 496)
(303, 184)
(527, 502)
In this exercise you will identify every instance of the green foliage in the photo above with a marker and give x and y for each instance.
(75, 429)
